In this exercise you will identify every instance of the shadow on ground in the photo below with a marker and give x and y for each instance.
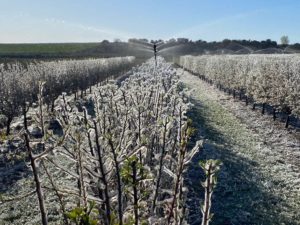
(239, 197)
(11, 171)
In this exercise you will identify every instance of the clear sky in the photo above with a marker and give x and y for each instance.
(94, 20)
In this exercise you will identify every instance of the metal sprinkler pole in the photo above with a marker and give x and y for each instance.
(155, 53)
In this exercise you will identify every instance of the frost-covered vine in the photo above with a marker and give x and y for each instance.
(267, 79)
(19, 84)
(121, 158)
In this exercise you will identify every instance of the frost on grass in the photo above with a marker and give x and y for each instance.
(259, 180)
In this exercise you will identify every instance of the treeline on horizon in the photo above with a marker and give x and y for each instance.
(213, 45)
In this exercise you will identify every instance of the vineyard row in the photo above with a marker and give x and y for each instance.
(122, 159)
(266, 79)
(19, 84)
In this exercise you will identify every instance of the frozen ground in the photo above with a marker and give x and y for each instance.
(259, 181)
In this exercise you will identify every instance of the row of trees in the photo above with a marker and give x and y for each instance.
(19, 84)
(267, 79)
(124, 162)
(250, 43)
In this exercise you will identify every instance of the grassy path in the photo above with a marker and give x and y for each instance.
(259, 181)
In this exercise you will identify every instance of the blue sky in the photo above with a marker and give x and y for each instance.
(94, 20)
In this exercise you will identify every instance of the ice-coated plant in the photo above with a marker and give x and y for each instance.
(19, 84)
(211, 168)
(267, 79)
(126, 151)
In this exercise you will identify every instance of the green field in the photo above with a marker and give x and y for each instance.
(43, 49)
(17, 52)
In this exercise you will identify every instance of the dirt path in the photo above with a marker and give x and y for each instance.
(259, 181)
